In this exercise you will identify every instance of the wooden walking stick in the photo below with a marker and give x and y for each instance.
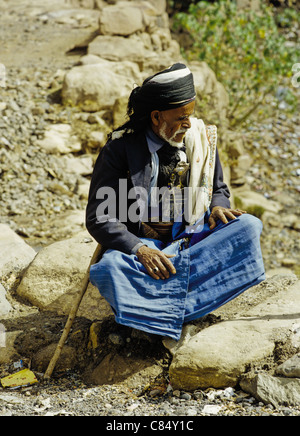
(72, 314)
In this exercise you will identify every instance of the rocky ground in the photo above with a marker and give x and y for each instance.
(42, 189)
(67, 394)
(43, 202)
(70, 397)
(274, 148)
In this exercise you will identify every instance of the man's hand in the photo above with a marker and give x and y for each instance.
(222, 213)
(156, 262)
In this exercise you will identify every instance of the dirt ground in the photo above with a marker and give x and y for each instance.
(30, 37)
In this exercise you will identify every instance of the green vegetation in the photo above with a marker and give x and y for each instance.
(247, 50)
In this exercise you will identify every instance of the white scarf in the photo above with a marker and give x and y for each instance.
(201, 143)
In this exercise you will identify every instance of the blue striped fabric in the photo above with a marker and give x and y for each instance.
(216, 267)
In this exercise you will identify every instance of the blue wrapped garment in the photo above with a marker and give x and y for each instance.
(215, 267)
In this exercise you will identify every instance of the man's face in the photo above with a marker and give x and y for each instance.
(172, 125)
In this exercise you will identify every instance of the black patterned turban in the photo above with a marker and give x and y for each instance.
(168, 89)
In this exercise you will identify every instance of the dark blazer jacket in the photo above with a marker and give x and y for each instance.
(129, 158)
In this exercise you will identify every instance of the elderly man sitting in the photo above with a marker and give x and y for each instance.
(175, 250)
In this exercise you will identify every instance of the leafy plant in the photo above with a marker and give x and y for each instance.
(244, 48)
(287, 17)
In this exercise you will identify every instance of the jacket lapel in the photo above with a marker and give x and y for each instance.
(139, 162)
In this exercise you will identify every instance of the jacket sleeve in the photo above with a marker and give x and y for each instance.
(102, 210)
(221, 192)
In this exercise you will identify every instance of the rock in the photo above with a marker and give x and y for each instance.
(208, 87)
(129, 17)
(58, 139)
(278, 271)
(150, 52)
(66, 361)
(116, 339)
(123, 19)
(186, 396)
(155, 393)
(126, 68)
(83, 189)
(82, 165)
(2, 336)
(272, 390)
(240, 167)
(296, 225)
(120, 111)
(211, 409)
(5, 306)
(10, 399)
(188, 331)
(291, 367)
(289, 262)
(65, 225)
(15, 256)
(86, 4)
(254, 5)
(83, 17)
(97, 86)
(286, 200)
(291, 221)
(218, 355)
(90, 59)
(97, 139)
(8, 353)
(204, 77)
(250, 199)
(160, 6)
(57, 270)
(115, 368)
(119, 49)
(234, 144)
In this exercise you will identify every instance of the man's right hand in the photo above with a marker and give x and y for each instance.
(156, 262)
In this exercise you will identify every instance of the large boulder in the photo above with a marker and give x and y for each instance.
(123, 19)
(119, 48)
(220, 354)
(54, 278)
(15, 256)
(278, 391)
(126, 18)
(96, 86)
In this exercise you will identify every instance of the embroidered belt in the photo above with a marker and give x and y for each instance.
(160, 230)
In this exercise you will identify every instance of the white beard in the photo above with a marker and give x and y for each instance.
(171, 140)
